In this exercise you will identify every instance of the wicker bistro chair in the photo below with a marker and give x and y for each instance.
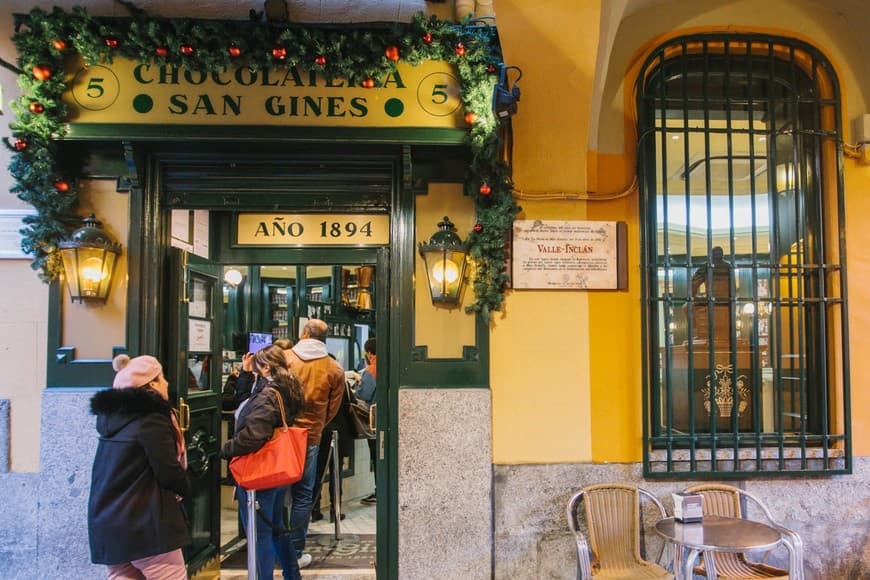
(725, 500)
(612, 514)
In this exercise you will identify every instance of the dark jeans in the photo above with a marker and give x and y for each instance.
(270, 544)
(301, 494)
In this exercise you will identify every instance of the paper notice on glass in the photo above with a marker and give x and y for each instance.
(562, 255)
(199, 335)
(181, 229)
(189, 231)
(200, 233)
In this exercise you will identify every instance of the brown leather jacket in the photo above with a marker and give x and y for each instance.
(323, 383)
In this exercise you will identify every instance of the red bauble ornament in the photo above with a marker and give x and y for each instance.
(427, 38)
(392, 53)
(186, 50)
(368, 83)
(490, 69)
(36, 107)
(234, 51)
(20, 144)
(111, 42)
(478, 228)
(470, 118)
(485, 189)
(41, 72)
(279, 53)
(460, 49)
(161, 51)
(59, 44)
(61, 185)
(320, 61)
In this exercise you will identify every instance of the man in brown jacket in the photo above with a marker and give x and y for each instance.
(322, 381)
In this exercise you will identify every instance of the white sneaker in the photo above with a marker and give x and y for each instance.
(304, 560)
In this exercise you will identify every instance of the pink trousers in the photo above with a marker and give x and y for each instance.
(168, 566)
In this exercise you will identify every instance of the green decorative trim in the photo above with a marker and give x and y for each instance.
(46, 178)
(420, 353)
(262, 134)
(64, 369)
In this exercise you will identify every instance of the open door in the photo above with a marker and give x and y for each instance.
(192, 354)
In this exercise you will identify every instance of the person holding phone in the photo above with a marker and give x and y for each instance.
(256, 420)
(247, 381)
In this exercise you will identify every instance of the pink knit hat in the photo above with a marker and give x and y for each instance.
(135, 372)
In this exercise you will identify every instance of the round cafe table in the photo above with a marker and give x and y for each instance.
(713, 534)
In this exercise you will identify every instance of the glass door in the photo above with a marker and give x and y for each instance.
(193, 361)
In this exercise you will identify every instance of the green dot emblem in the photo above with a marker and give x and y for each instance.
(143, 103)
(394, 107)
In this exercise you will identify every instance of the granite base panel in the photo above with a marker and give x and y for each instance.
(445, 483)
(5, 436)
(532, 541)
(68, 444)
(18, 521)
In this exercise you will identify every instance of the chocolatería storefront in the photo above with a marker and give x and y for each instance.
(255, 176)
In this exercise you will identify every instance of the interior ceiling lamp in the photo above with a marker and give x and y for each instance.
(445, 256)
(505, 96)
(89, 257)
(233, 277)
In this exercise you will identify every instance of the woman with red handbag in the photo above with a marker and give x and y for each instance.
(256, 420)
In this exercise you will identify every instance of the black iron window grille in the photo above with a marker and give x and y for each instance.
(744, 286)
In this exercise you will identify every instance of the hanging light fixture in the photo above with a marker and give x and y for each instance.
(89, 257)
(233, 277)
(445, 256)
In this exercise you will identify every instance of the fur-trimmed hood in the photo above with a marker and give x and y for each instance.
(116, 408)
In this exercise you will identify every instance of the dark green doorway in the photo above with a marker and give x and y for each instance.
(264, 303)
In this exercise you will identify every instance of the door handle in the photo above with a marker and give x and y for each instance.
(200, 452)
(183, 414)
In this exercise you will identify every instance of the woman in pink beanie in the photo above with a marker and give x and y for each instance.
(136, 520)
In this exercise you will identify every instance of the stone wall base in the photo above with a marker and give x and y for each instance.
(831, 514)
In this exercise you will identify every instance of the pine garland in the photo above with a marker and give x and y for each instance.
(45, 172)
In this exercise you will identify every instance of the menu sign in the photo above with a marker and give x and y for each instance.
(563, 255)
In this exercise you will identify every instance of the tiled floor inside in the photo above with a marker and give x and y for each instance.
(360, 519)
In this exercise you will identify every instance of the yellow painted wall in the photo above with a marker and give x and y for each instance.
(540, 361)
(858, 267)
(94, 328)
(614, 323)
(443, 330)
(597, 375)
(23, 320)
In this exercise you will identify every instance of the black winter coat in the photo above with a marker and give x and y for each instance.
(136, 483)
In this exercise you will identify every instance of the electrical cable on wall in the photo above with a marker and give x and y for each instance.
(576, 195)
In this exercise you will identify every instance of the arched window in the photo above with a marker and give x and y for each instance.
(746, 352)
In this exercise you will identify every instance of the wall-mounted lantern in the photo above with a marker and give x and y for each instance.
(445, 256)
(89, 257)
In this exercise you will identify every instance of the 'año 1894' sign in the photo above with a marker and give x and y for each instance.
(257, 229)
